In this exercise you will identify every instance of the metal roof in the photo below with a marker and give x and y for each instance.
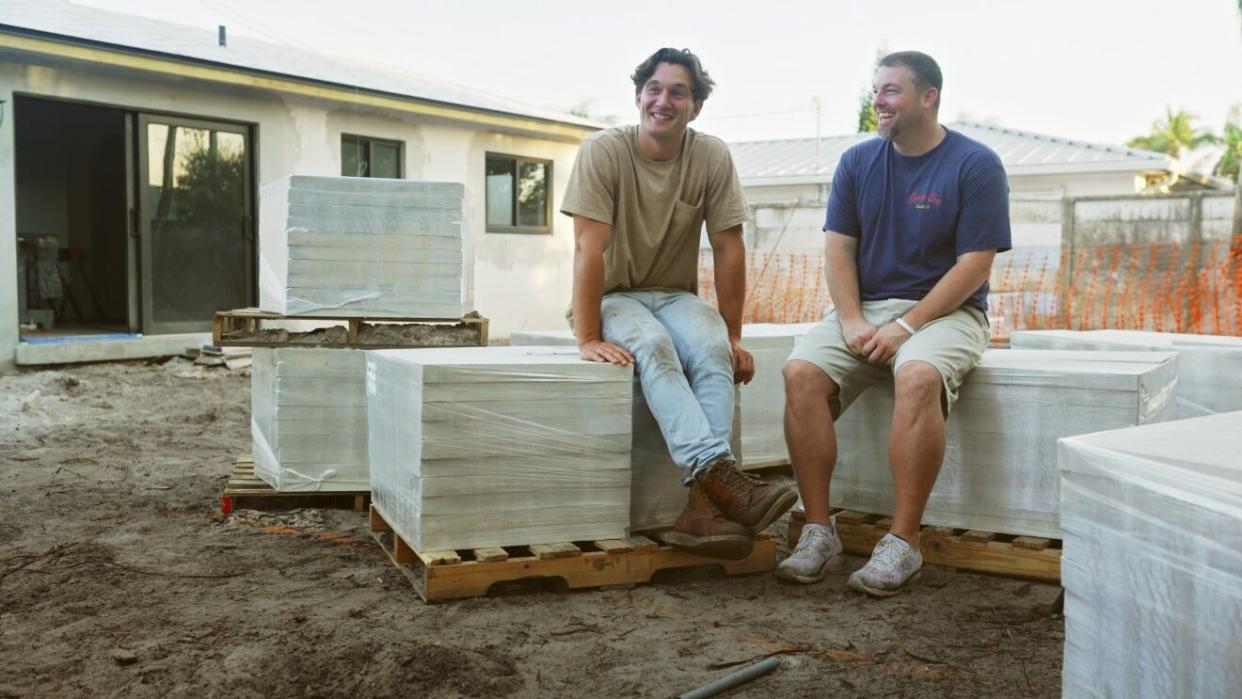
(81, 24)
(800, 161)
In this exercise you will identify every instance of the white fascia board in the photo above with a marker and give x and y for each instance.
(1133, 166)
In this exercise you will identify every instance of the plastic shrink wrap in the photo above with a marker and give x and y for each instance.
(1000, 464)
(761, 402)
(1152, 560)
(362, 247)
(656, 490)
(498, 446)
(763, 399)
(1209, 367)
(308, 421)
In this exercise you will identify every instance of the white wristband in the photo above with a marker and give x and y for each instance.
(904, 325)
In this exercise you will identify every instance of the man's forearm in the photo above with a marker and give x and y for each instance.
(842, 272)
(953, 289)
(587, 294)
(730, 275)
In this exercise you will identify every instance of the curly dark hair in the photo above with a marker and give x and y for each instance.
(702, 83)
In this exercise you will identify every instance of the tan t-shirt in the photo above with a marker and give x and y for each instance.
(656, 209)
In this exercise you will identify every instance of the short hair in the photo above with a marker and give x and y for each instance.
(923, 68)
(701, 83)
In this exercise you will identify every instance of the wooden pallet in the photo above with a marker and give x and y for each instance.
(445, 575)
(977, 551)
(244, 489)
(235, 329)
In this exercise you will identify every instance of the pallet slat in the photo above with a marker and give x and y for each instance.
(490, 554)
(245, 486)
(249, 320)
(560, 550)
(618, 564)
(975, 551)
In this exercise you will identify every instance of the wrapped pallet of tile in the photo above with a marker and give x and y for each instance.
(498, 446)
(761, 403)
(657, 493)
(1209, 367)
(1000, 464)
(363, 247)
(763, 399)
(1152, 560)
(309, 419)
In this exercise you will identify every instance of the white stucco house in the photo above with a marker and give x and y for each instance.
(105, 114)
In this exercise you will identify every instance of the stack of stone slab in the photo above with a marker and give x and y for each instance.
(309, 419)
(1152, 560)
(1209, 367)
(657, 493)
(361, 247)
(999, 472)
(763, 399)
(761, 402)
(498, 446)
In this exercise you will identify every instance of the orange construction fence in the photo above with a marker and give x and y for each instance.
(1190, 287)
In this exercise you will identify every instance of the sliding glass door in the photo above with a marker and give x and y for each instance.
(195, 221)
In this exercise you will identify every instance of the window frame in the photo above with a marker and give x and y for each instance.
(370, 141)
(518, 161)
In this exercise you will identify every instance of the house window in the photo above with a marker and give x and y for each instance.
(518, 199)
(370, 157)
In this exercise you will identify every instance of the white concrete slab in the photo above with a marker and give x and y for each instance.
(79, 351)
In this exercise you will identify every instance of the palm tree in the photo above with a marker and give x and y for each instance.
(1231, 139)
(1173, 134)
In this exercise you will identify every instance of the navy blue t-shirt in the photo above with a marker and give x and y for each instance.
(913, 216)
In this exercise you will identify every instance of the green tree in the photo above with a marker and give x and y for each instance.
(1175, 133)
(1231, 139)
(867, 118)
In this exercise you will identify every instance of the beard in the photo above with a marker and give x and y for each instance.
(887, 132)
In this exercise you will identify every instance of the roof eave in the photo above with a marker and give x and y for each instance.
(1088, 167)
(22, 40)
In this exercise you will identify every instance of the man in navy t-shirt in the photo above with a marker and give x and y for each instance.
(914, 220)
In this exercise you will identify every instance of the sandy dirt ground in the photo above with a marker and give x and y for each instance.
(120, 577)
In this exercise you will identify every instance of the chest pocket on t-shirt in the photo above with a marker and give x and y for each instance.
(687, 218)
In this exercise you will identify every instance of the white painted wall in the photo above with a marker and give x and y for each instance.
(521, 281)
(8, 230)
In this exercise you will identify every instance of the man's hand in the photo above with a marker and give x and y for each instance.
(857, 334)
(600, 351)
(743, 363)
(883, 345)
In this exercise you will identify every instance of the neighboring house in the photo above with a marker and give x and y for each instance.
(787, 181)
(105, 114)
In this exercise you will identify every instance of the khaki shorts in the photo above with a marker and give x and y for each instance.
(953, 344)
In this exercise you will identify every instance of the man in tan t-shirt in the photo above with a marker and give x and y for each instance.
(639, 196)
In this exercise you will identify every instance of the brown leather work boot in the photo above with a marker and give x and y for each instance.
(704, 530)
(744, 498)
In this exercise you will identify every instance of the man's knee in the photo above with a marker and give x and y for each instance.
(655, 350)
(918, 383)
(805, 381)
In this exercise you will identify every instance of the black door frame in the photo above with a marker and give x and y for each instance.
(143, 227)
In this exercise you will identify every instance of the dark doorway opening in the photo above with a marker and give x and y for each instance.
(73, 253)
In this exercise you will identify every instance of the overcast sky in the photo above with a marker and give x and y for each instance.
(1095, 70)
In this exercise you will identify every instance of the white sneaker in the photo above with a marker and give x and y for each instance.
(894, 562)
(818, 551)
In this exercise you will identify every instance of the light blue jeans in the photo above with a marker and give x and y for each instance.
(685, 367)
